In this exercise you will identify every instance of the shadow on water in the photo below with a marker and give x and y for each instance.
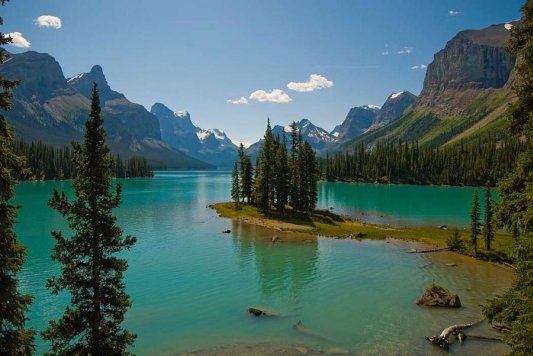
(280, 269)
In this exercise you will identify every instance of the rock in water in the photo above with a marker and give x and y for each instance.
(253, 311)
(436, 296)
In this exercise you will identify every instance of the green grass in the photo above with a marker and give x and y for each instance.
(328, 224)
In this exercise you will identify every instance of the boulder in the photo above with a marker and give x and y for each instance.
(436, 296)
(253, 311)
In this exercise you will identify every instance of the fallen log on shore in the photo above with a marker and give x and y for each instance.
(442, 340)
(414, 250)
(481, 337)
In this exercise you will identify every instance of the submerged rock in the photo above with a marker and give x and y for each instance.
(437, 296)
(253, 311)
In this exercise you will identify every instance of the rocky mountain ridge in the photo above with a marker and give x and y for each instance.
(47, 107)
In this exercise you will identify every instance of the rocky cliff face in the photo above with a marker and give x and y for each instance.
(393, 108)
(83, 83)
(46, 107)
(474, 60)
(177, 129)
(357, 121)
(466, 90)
(124, 119)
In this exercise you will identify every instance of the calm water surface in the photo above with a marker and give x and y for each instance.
(191, 284)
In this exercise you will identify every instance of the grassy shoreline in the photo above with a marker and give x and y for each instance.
(328, 224)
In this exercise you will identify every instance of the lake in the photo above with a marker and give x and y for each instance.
(191, 284)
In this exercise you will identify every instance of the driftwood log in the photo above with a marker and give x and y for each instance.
(442, 340)
(299, 326)
(414, 250)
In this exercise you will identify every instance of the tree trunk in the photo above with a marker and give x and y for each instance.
(442, 340)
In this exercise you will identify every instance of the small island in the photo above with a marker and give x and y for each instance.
(328, 224)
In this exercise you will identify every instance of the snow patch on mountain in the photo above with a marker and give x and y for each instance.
(395, 95)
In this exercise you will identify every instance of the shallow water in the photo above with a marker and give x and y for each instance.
(191, 284)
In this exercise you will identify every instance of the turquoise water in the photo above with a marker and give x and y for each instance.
(191, 284)
(401, 204)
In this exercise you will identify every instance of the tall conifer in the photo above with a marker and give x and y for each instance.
(91, 270)
(282, 176)
(294, 170)
(475, 225)
(235, 185)
(265, 172)
(488, 229)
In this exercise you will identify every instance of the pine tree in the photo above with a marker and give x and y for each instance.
(294, 194)
(91, 270)
(304, 175)
(454, 242)
(265, 172)
(246, 173)
(475, 228)
(311, 169)
(488, 230)
(15, 339)
(282, 176)
(515, 208)
(235, 185)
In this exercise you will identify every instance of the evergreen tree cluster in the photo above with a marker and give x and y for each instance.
(48, 163)
(15, 338)
(477, 227)
(281, 181)
(514, 211)
(482, 162)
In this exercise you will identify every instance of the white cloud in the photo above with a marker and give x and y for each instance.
(315, 82)
(275, 96)
(419, 66)
(241, 100)
(385, 53)
(17, 40)
(453, 13)
(406, 50)
(48, 21)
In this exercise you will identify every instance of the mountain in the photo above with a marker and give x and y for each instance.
(357, 121)
(466, 89)
(393, 108)
(212, 145)
(49, 108)
(317, 137)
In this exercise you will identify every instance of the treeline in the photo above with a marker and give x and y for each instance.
(46, 162)
(282, 181)
(482, 162)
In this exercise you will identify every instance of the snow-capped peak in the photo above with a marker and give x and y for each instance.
(371, 107)
(204, 134)
(78, 76)
(395, 95)
(244, 144)
(181, 113)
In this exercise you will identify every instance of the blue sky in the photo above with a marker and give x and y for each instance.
(196, 55)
